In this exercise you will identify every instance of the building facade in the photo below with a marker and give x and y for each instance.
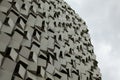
(44, 40)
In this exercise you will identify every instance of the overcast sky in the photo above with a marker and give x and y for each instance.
(103, 20)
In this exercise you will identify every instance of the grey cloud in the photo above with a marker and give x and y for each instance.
(103, 20)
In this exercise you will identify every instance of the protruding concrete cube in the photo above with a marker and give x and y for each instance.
(49, 76)
(16, 40)
(30, 76)
(57, 74)
(12, 54)
(25, 52)
(32, 66)
(42, 62)
(5, 6)
(4, 41)
(5, 75)
(33, 57)
(9, 65)
(50, 68)
(41, 71)
(18, 4)
(9, 25)
(31, 20)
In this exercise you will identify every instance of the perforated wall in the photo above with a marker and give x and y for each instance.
(44, 40)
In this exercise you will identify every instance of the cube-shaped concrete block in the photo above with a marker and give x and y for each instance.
(68, 59)
(4, 41)
(41, 71)
(28, 36)
(5, 6)
(32, 66)
(5, 75)
(31, 20)
(37, 36)
(12, 54)
(16, 40)
(29, 30)
(19, 30)
(51, 53)
(50, 59)
(40, 78)
(83, 76)
(38, 21)
(42, 62)
(21, 24)
(43, 55)
(62, 61)
(35, 48)
(34, 7)
(50, 68)
(26, 43)
(33, 57)
(63, 70)
(25, 8)
(30, 76)
(74, 77)
(57, 65)
(25, 52)
(9, 25)
(69, 68)
(18, 4)
(44, 43)
(57, 74)
(2, 18)
(8, 65)
(57, 52)
(51, 43)
(64, 76)
(49, 76)
(23, 60)
(21, 71)
(13, 16)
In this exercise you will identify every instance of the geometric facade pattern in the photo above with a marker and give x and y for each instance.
(44, 40)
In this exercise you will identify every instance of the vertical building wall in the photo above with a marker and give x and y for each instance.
(44, 40)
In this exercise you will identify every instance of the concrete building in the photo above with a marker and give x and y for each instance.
(44, 40)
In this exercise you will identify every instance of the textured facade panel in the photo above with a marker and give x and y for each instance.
(44, 40)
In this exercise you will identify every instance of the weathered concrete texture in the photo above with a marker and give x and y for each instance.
(44, 40)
